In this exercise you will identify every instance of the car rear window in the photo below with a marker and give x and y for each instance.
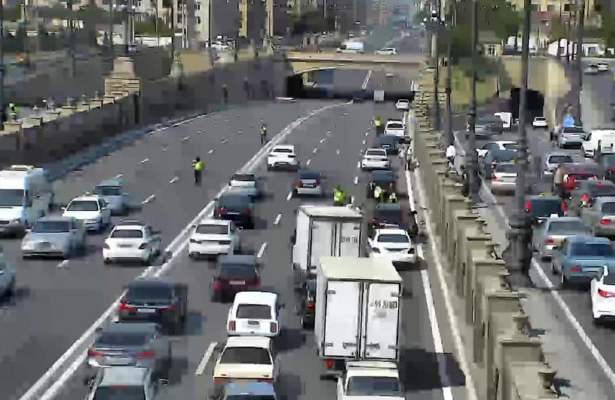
(560, 159)
(237, 271)
(583, 176)
(115, 339)
(373, 386)
(83, 205)
(288, 151)
(212, 229)
(245, 355)
(506, 168)
(510, 146)
(119, 393)
(602, 190)
(108, 190)
(51, 227)
(379, 153)
(395, 125)
(127, 234)
(591, 250)
(147, 292)
(573, 130)
(234, 201)
(610, 279)
(250, 397)
(244, 177)
(393, 238)
(608, 208)
(545, 207)
(253, 311)
(309, 175)
(566, 227)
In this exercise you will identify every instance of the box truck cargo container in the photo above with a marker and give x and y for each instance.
(324, 231)
(358, 311)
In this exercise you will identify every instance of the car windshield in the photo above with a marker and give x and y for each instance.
(127, 234)
(287, 151)
(83, 205)
(108, 190)
(573, 130)
(11, 197)
(373, 386)
(545, 207)
(601, 189)
(231, 271)
(608, 208)
(393, 238)
(506, 168)
(382, 176)
(309, 175)
(395, 125)
(234, 202)
(510, 146)
(388, 139)
(254, 311)
(378, 153)
(212, 229)
(244, 177)
(591, 250)
(566, 227)
(539, 119)
(51, 227)
(245, 355)
(148, 292)
(119, 339)
(119, 393)
(560, 159)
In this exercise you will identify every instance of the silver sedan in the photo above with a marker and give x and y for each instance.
(54, 237)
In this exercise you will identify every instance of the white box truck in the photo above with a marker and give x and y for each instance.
(351, 47)
(378, 96)
(324, 231)
(358, 312)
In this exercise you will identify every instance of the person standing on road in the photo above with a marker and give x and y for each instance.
(263, 133)
(246, 87)
(198, 167)
(225, 93)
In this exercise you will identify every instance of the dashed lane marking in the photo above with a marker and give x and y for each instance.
(174, 179)
(203, 364)
(315, 150)
(185, 138)
(261, 251)
(337, 152)
(148, 199)
(290, 196)
(277, 219)
(144, 161)
(63, 264)
(118, 176)
(356, 180)
(210, 151)
(308, 162)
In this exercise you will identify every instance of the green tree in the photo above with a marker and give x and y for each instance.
(12, 13)
(558, 29)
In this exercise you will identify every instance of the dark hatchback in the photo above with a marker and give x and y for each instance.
(155, 300)
(236, 207)
(495, 157)
(386, 214)
(383, 178)
(390, 143)
(307, 303)
(234, 273)
(539, 208)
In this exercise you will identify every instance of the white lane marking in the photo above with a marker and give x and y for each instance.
(63, 264)
(315, 150)
(118, 176)
(290, 196)
(224, 140)
(176, 246)
(210, 151)
(322, 140)
(337, 152)
(174, 179)
(261, 251)
(201, 367)
(366, 80)
(356, 180)
(366, 134)
(148, 199)
(308, 162)
(185, 138)
(363, 142)
(164, 148)
(277, 219)
(144, 161)
(358, 164)
(188, 120)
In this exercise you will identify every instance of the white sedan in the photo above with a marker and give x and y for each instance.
(603, 67)
(213, 237)
(92, 210)
(393, 244)
(602, 294)
(132, 241)
(375, 158)
(395, 127)
(282, 156)
(540, 123)
(246, 357)
(254, 314)
(402, 105)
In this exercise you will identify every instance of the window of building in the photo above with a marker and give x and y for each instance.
(535, 7)
(491, 50)
(179, 18)
(198, 20)
(551, 8)
(567, 7)
(197, 6)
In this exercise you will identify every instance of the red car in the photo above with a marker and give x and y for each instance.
(573, 173)
(235, 273)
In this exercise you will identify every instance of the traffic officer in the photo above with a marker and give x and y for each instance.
(339, 196)
(263, 133)
(198, 167)
(378, 193)
(378, 125)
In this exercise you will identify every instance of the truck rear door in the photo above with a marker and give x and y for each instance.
(381, 322)
(342, 319)
(348, 239)
(321, 243)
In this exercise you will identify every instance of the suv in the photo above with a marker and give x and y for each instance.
(126, 383)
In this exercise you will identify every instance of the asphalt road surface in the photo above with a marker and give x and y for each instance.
(57, 301)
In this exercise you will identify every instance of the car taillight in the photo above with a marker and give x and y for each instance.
(256, 281)
(194, 241)
(94, 353)
(549, 241)
(143, 246)
(329, 364)
(576, 268)
(605, 221)
(124, 306)
(232, 326)
(273, 327)
(217, 285)
(297, 183)
(317, 181)
(266, 380)
(171, 307)
(606, 294)
(220, 381)
(528, 206)
(106, 246)
(585, 198)
(494, 177)
(146, 354)
(220, 211)
(310, 306)
(565, 207)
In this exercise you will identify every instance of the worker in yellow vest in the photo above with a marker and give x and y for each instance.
(198, 167)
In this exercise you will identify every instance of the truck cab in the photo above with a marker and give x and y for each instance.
(370, 380)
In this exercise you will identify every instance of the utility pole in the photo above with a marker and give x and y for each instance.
(173, 3)
(26, 42)
(520, 230)
(111, 18)
(471, 146)
(71, 38)
(2, 106)
(436, 21)
(452, 17)
(579, 59)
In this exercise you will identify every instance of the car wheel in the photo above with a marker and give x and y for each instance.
(106, 261)
(215, 298)
(304, 324)
(553, 270)
(563, 281)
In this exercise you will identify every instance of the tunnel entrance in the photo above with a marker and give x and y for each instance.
(535, 102)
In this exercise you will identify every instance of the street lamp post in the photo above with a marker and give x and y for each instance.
(579, 59)
(71, 37)
(471, 153)
(520, 230)
(111, 18)
(2, 107)
(451, 16)
(436, 76)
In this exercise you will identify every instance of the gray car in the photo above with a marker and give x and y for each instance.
(125, 383)
(113, 193)
(54, 236)
(571, 137)
(8, 276)
(600, 217)
(139, 344)
(553, 160)
(550, 234)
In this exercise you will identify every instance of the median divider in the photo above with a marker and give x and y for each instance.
(505, 359)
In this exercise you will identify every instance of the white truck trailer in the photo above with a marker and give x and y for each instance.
(358, 312)
(324, 231)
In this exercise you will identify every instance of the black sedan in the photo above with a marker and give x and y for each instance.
(386, 214)
(383, 178)
(234, 273)
(390, 143)
(236, 207)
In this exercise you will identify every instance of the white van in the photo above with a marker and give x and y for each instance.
(26, 194)
(506, 118)
(604, 137)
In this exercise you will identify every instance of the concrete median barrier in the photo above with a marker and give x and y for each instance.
(507, 361)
